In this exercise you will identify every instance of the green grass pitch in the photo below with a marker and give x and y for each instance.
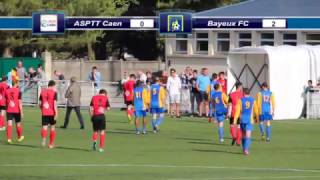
(187, 148)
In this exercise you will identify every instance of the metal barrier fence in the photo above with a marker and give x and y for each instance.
(312, 104)
(31, 91)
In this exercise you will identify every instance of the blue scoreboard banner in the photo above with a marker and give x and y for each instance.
(55, 22)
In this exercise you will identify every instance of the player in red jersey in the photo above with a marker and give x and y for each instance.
(48, 98)
(99, 104)
(14, 111)
(235, 129)
(3, 87)
(223, 82)
(128, 96)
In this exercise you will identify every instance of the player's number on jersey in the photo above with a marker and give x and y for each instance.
(217, 100)
(247, 104)
(154, 91)
(266, 99)
(138, 94)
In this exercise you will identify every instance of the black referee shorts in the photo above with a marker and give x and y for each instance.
(98, 122)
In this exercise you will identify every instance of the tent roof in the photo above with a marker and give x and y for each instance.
(266, 49)
(271, 8)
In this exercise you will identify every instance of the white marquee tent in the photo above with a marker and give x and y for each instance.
(285, 68)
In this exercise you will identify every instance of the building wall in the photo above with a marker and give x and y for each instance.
(110, 70)
(215, 60)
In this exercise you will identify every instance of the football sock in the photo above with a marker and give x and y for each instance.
(160, 119)
(19, 131)
(52, 136)
(220, 132)
(268, 131)
(95, 136)
(2, 123)
(9, 132)
(44, 133)
(239, 135)
(102, 139)
(262, 128)
(233, 132)
(244, 143)
(248, 142)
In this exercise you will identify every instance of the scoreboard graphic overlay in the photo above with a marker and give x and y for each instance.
(52, 22)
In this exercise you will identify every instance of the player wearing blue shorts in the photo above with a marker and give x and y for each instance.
(266, 105)
(219, 101)
(246, 109)
(157, 96)
(140, 101)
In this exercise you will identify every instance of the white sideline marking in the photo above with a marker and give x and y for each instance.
(245, 178)
(160, 166)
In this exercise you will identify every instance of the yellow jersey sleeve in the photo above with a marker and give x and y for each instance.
(255, 112)
(259, 102)
(273, 102)
(145, 96)
(162, 96)
(238, 111)
(225, 99)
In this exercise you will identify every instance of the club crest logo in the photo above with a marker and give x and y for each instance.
(175, 23)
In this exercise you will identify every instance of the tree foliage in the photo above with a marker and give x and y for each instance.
(143, 44)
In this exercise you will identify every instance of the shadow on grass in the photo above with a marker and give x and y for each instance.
(120, 122)
(215, 151)
(209, 143)
(121, 131)
(192, 139)
(58, 147)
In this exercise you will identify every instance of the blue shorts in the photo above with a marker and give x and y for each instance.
(140, 114)
(265, 117)
(220, 116)
(156, 110)
(246, 127)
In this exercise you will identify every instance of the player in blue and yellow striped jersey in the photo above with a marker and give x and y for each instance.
(157, 96)
(140, 102)
(246, 109)
(219, 101)
(266, 105)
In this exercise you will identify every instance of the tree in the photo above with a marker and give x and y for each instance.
(71, 40)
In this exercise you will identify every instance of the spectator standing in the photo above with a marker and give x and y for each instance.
(142, 77)
(22, 74)
(149, 78)
(60, 84)
(58, 75)
(194, 93)
(40, 73)
(174, 89)
(95, 77)
(73, 96)
(203, 84)
(307, 90)
(185, 89)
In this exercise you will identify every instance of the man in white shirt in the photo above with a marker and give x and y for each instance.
(142, 77)
(174, 89)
